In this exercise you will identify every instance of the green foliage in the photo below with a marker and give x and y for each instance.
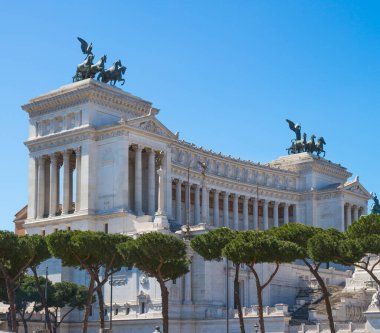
(368, 225)
(68, 294)
(211, 244)
(296, 233)
(40, 249)
(366, 233)
(325, 245)
(252, 247)
(15, 252)
(27, 293)
(159, 255)
(86, 248)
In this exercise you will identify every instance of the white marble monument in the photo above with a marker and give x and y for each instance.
(100, 160)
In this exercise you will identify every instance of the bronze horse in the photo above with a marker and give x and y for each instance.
(113, 74)
(83, 69)
(319, 146)
(98, 67)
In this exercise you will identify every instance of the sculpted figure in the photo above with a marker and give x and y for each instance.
(375, 208)
(375, 302)
(296, 128)
(86, 49)
(319, 146)
(113, 74)
(84, 69)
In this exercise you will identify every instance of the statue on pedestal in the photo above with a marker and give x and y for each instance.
(375, 208)
(302, 145)
(88, 70)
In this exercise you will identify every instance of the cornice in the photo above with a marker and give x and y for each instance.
(181, 144)
(88, 91)
(306, 162)
(60, 139)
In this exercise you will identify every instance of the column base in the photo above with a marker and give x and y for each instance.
(161, 221)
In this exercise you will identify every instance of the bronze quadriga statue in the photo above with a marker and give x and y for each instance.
(300, 145)
(88, 70)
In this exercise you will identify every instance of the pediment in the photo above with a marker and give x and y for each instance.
(151, 124)
(357, 188)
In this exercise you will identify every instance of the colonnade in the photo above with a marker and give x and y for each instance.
(229, 209)
(49, 184)
(352, 213)
(140, 186)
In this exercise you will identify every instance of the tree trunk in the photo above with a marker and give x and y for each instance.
(11, 301)
(88, 304)
(55, 321)
(259, 291)
(101, 306)
(373, 276)
(237, 298)
(43, 298)
(325, 295)
(327, 302)
(24, 323)
(260, 304)
(165, 306)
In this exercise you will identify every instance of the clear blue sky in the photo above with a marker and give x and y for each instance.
(225, 74)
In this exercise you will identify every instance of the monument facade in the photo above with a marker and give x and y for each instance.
(99, 159)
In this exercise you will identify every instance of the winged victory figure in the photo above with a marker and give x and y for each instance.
(296, 128)
(86, 49)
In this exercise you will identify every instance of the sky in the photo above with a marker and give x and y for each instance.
(225, 74)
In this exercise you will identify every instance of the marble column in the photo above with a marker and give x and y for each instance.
(33, 187)
(53, 185)
(71, 184)
(225, 210)
(161, 192)
(78, 162)
(265, 214)
(187, 204)
(216, 208)
(66, 205)
(205, 203)
(255, 203)
(348, 216)
(286, 213)
(188, 298)
(236, 211)
(151, 182)
(178, 201)
(295, 213)
(197, 208)
(356, 213)
(138, 181)
(275, 214)
(245, 212)
(160, 218)
(41, 187)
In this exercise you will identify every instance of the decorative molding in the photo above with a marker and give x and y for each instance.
(84, 92)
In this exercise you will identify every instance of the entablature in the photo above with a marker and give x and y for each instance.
(233, 186)
(189, 156)
(87, 91)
